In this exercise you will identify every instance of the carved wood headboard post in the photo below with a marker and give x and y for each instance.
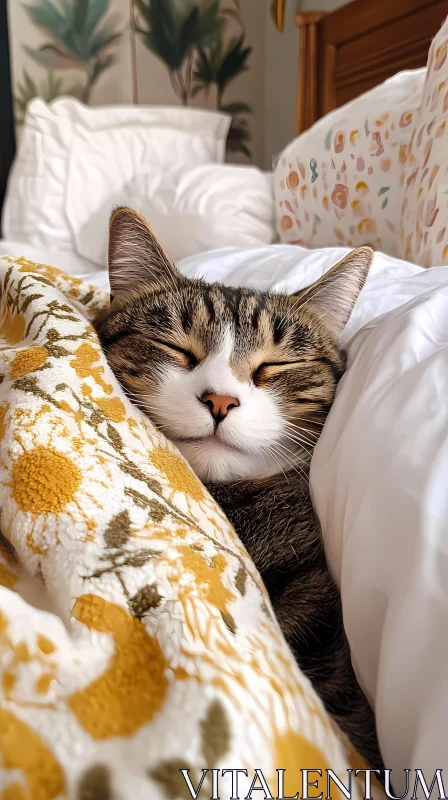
(308, 82)
(349, 51)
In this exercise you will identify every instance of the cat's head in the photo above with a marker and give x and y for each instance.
(240, 380)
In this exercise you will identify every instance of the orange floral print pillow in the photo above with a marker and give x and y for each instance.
(340, 183)
(424, 227)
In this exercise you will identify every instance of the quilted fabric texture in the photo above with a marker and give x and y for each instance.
(136, 637)
(425, 205)
(340, 183)
(66, 139)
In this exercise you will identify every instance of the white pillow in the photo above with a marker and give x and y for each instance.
(379, 484)
(109, 146)
(207, 207)
(341, 181)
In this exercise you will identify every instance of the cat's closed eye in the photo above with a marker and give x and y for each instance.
(272, 365)
(188, 355)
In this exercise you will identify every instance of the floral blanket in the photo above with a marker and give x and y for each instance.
(136, 637)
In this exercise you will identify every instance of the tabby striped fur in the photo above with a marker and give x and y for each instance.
(169, 340)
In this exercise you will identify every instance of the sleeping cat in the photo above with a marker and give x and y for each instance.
(242, 381)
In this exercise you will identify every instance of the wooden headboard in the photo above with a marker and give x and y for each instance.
(351, 50)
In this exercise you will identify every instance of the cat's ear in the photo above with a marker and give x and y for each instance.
(135, 255)
(335, 294)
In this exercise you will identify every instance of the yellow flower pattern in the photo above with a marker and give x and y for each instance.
(136, 637)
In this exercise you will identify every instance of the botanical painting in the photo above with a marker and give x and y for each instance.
(80, 35)
(74, 43)
(203, 46)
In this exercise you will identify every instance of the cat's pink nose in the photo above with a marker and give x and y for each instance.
(219, 404)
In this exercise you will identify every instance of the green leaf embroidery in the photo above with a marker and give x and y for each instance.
(146, 598)
(139, 499)
(240, 581)
(114, 438)
(94, 784)
(119, 530)
(56, 350)
(135, 472)
(215, 734)
(228, 621)
(169, 776)
(29, 300)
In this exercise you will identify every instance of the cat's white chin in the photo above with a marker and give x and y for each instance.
(215, 461)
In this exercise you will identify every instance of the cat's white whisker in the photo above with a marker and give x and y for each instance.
(291, 464)
(301, 437)
(303, 443)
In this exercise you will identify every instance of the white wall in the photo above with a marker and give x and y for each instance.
(281, 71)
(250, 85)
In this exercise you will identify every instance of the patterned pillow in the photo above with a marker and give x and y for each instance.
(340, 182)
(136, 637)
(424, 226)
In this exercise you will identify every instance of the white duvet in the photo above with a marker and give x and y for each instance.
(379, 479)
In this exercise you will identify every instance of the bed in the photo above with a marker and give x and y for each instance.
(379, 489)
(351, 50)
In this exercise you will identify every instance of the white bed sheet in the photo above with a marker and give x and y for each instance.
(379, 479)
(67, 260)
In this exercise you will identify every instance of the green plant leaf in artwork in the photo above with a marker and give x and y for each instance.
(236, 108)
(239, 137)
(51, 57)
(46, 16)
(173, 31)
(208, 21)
(221, 64)
(28, 89)
(234, 62)
(106, 36)
(80, 14)
(95, 12)
(79, 36)
(218, 63)
(189, 36)
(25, 92)
(206, 68)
